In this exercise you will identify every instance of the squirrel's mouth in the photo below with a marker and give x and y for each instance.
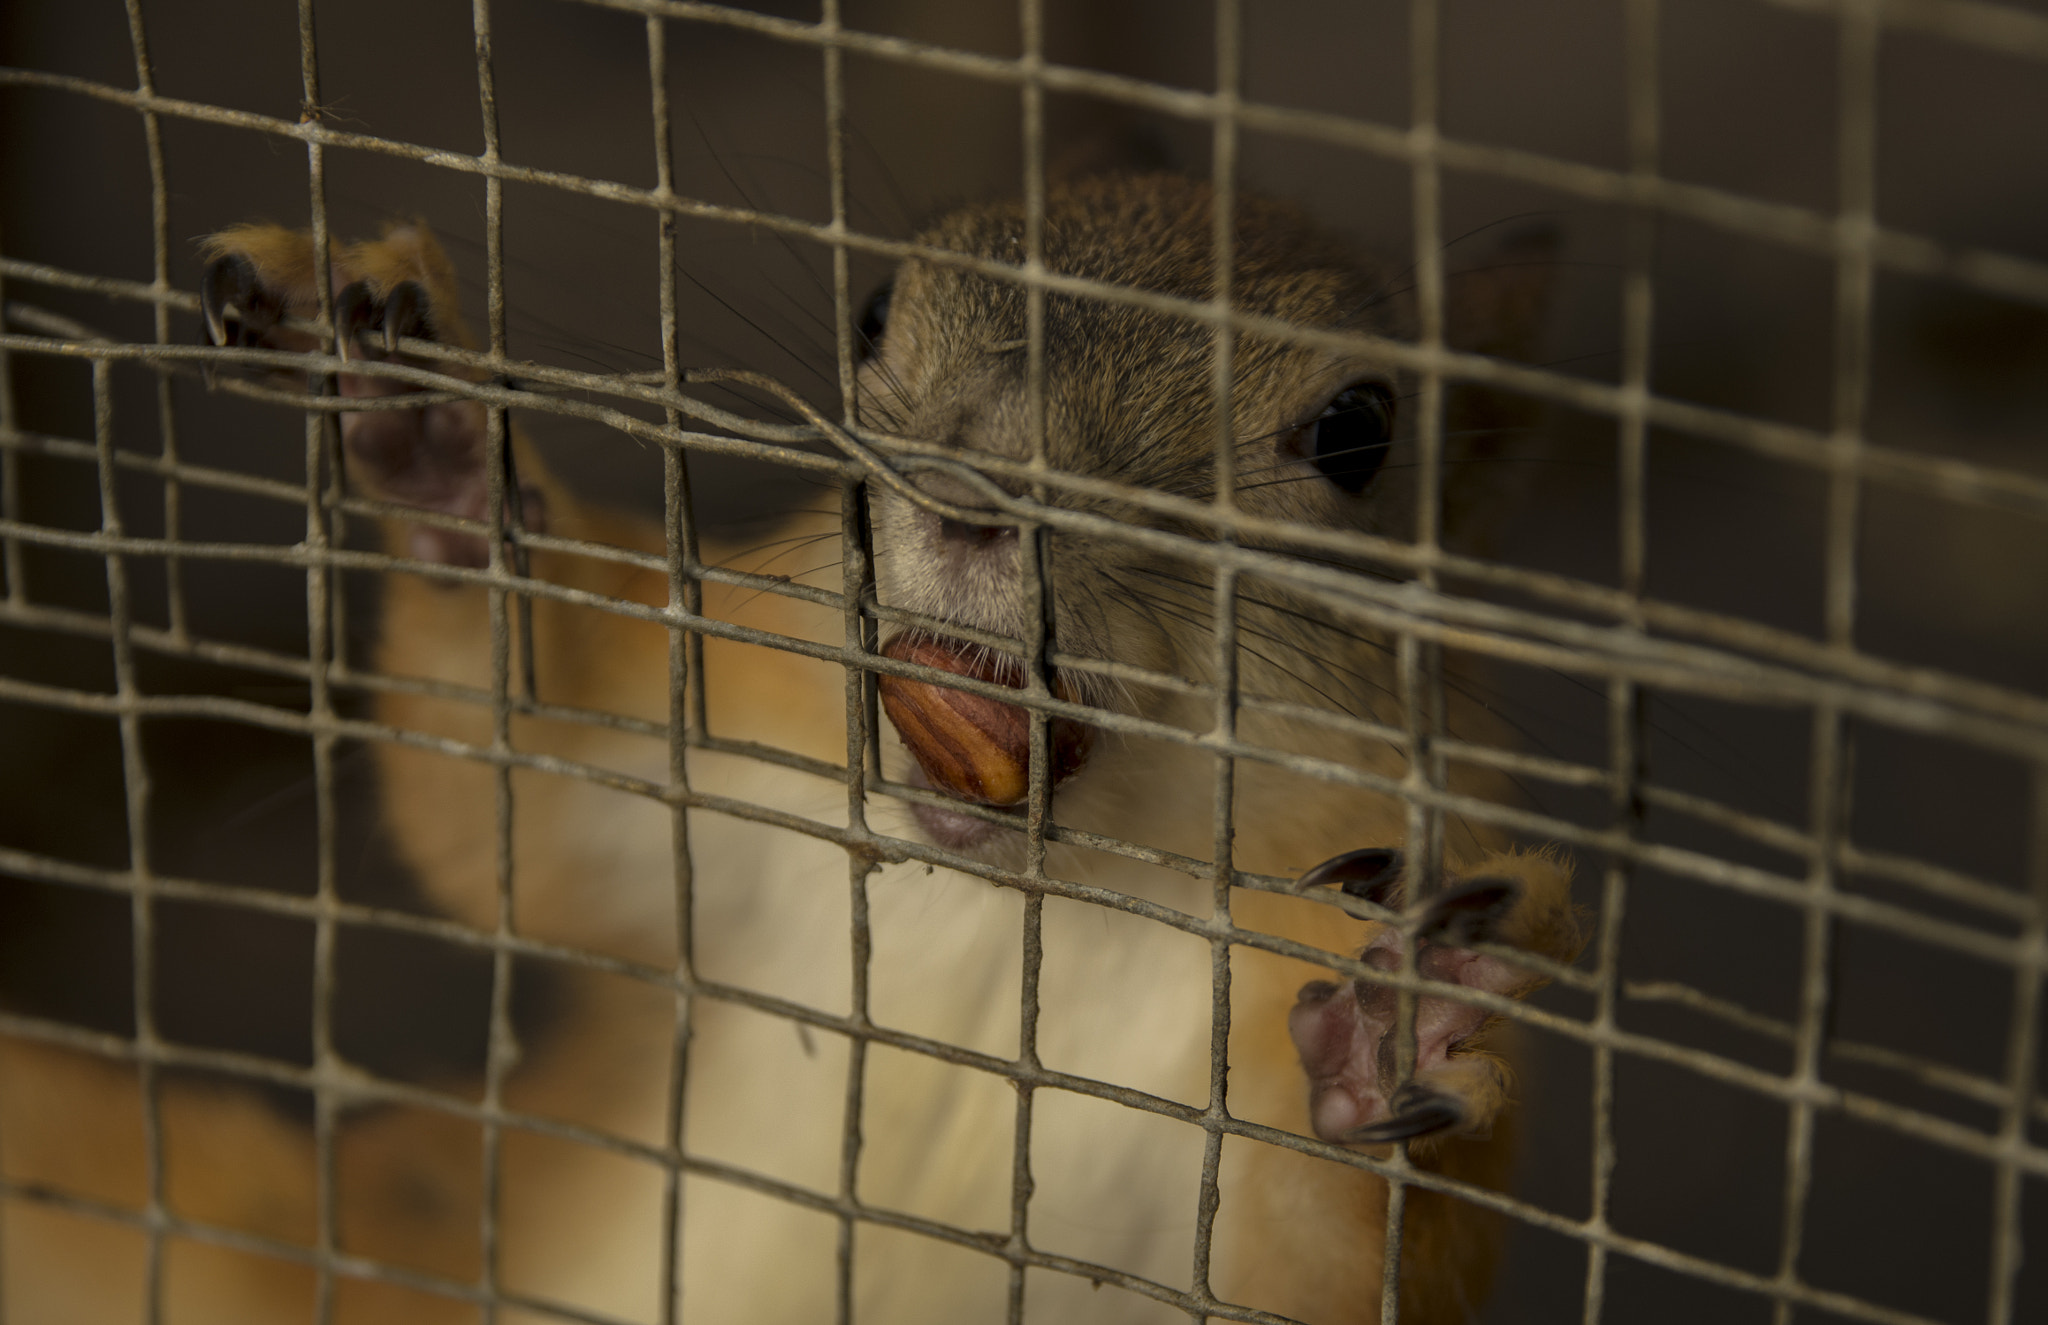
(973, 747)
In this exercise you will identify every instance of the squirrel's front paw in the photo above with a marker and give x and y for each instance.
(260, 278)
(1346, 1033)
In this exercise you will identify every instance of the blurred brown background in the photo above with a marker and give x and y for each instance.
(1748, 104)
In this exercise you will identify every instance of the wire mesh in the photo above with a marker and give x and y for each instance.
(1622, 640)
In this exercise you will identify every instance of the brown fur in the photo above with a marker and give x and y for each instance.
(1128, 399)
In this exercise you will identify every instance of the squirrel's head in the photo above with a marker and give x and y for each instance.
(1130, 396)
(1130, 391)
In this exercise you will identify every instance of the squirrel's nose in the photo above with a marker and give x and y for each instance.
(975, 537)
(967, 535)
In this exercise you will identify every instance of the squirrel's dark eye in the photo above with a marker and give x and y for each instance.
(874, 317)
(1349, 441)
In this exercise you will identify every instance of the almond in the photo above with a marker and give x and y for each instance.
(971, 747)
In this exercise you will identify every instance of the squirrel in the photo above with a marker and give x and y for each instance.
(1122, 998)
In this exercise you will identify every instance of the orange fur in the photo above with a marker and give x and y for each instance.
(1296, 1235)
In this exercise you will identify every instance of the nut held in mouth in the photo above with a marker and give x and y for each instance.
(971, 747)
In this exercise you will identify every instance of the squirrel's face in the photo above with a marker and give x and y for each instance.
(1128, 395)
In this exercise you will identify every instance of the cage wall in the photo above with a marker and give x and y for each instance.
(1746, 623)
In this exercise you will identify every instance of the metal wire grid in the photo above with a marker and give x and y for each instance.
(1642, 643)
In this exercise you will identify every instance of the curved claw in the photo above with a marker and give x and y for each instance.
(355, 311)
(228, 284)
(404, 314)
(1316, 992)
(1418, 1111)
(1471, 912)
(1372, 874)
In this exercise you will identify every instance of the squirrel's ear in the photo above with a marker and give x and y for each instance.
(1494, 307)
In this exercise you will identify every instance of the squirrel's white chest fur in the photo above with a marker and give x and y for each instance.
(1121, 999)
